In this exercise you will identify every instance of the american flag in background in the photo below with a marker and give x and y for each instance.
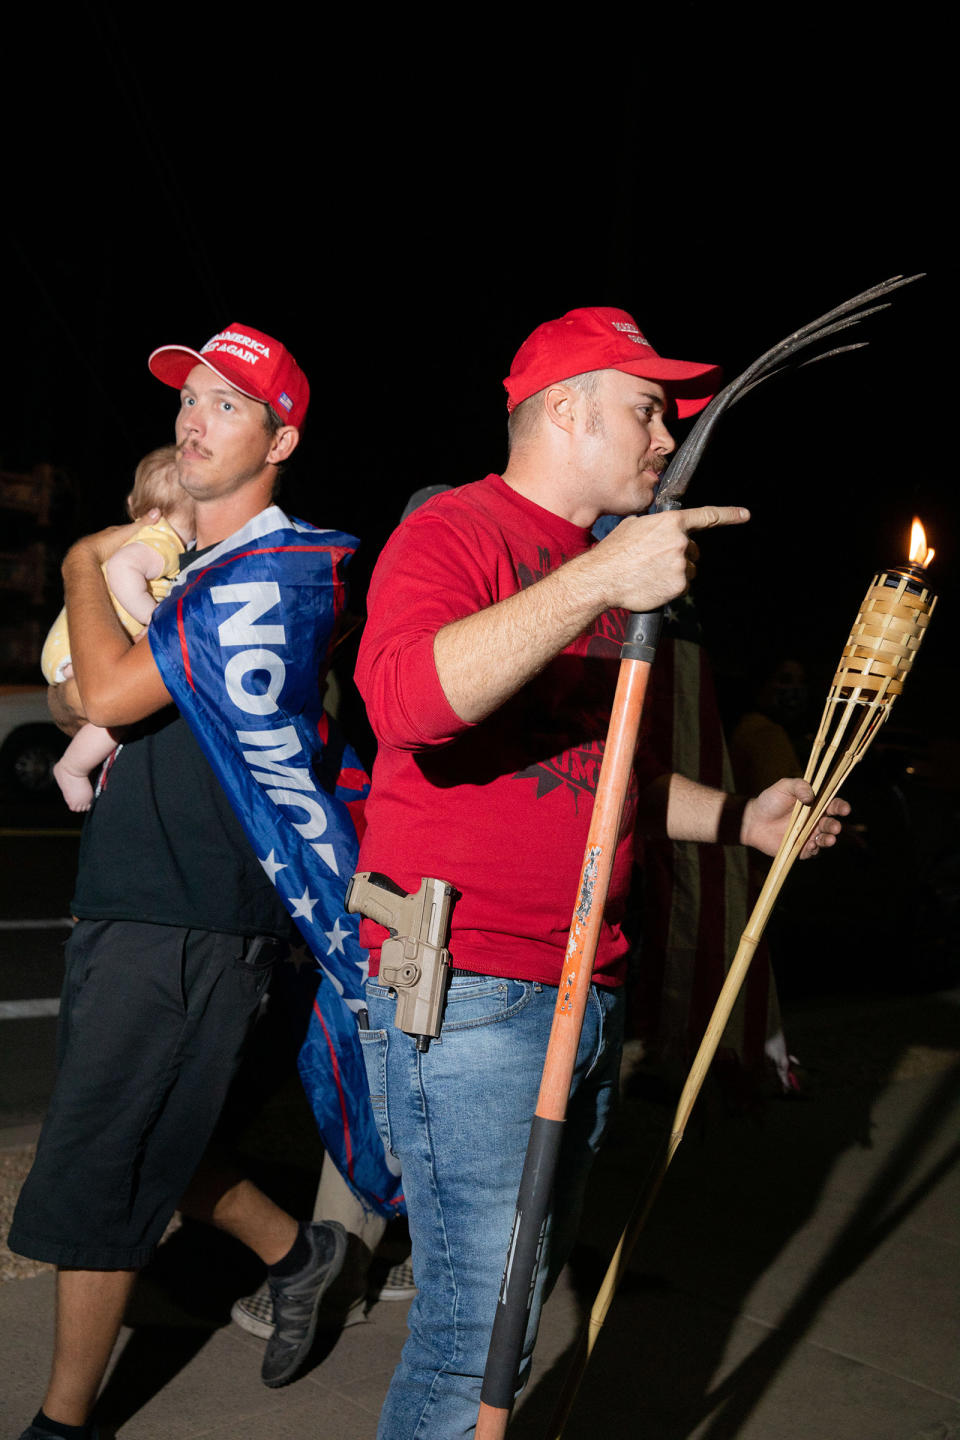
(696, 898)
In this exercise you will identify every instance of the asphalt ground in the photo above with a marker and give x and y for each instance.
(38, 859)
(799, 1275)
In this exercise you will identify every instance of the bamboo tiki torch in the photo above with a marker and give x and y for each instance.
(876, 660)
(637, 655)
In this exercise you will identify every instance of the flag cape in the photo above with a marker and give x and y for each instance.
(241, 642)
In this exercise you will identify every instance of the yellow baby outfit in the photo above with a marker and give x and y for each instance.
(161, 537)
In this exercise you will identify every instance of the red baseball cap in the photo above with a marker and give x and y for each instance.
(601, 338)
(250, 361)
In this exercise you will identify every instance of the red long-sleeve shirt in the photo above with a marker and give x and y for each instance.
(500, 809)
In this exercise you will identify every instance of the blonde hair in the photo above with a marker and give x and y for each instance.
(524, 421)
(156, 485)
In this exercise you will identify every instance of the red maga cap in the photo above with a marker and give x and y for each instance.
(601, 338)
(253, 363)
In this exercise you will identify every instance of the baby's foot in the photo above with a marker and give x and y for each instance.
(76, 789)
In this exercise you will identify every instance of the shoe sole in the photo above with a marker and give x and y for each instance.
(408, 1292)
(355, 1314)
(263, 1329)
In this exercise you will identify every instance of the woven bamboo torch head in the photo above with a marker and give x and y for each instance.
(888, 630)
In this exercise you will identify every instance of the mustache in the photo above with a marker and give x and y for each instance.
(191, 447)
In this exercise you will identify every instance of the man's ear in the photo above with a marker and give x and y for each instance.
(559, 404)
(285, 441)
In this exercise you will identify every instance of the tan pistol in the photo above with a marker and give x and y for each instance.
(415, 961)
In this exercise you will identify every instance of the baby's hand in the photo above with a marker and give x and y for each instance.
(105, 543)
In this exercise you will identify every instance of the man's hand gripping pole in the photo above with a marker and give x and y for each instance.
(415, 961)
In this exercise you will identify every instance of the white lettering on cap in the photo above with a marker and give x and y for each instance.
(247, 356)
(238, 339)
(630, 330)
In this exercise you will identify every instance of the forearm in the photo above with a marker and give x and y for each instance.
(485, 658)
(118, 683)
(683, 809)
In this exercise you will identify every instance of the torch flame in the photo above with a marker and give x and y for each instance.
(919, 554)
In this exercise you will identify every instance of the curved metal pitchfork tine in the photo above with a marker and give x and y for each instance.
(788, 350)
(829, 354)
(789, 360)
(677, 475)
(798, 365)
(809, 334)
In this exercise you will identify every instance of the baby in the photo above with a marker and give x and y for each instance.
(139, 576)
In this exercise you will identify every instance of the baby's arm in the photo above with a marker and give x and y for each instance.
(116, 683)
(128, 571)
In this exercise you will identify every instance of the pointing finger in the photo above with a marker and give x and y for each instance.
(705, 517)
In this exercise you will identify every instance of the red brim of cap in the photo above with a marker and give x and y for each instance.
(173, 363)
(690, 385)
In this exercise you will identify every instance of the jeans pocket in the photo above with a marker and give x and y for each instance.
(373, 1047)
(483, 1000)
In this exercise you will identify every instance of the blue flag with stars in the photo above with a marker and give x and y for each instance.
(241, 642)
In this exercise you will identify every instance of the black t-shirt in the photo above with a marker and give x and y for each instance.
(162, 844)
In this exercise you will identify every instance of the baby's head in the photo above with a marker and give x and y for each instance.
(156, 486)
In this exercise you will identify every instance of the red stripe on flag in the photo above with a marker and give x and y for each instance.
(348, 1146)
(335, 1067)
(336, 553)
(356, 779)
(184, 652)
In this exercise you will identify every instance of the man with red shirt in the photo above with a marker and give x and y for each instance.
(488, 666)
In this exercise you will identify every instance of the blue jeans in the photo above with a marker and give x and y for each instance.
(458, 1119)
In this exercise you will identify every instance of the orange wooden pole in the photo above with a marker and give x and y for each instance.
(601, 847)
(546, 1131)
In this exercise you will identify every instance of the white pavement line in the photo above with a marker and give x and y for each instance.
(27, 1009)
(64, 923)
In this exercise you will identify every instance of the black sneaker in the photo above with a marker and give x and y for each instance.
(296, 1300)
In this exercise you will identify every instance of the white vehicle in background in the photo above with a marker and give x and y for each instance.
(30, 743)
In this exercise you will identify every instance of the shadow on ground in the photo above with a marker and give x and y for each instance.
(740, 1193)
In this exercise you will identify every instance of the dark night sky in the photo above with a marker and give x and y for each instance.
(402, 205)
